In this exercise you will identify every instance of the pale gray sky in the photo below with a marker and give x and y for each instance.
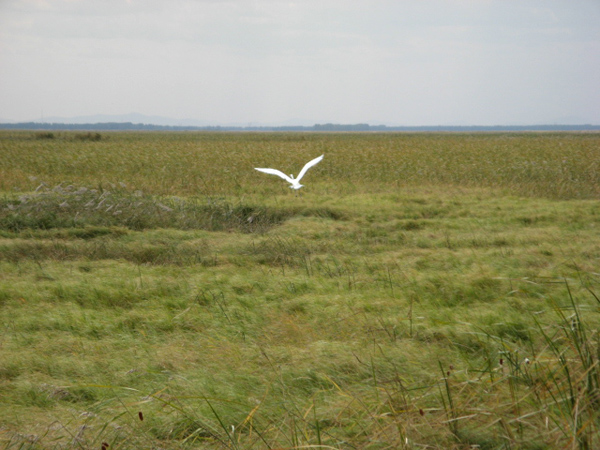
(397, 62)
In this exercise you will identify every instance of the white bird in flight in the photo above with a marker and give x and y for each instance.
(295, 182)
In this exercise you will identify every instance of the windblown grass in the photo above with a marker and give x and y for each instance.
(74, 208)
(422, 291)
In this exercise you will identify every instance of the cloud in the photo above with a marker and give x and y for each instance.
(403, 62)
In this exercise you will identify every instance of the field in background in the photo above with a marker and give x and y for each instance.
(551, 165)
(421, 291)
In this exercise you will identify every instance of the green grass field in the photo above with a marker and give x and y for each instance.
(422, 291)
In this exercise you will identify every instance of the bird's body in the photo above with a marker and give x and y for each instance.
(295, 182)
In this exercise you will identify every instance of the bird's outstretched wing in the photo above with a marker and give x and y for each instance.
(279, 173)
(307, 166)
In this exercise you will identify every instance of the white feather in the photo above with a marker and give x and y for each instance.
(295, 182)
(279, 173)
(307, 166)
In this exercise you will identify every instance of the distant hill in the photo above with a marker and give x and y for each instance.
(135, 118)
(328, 127)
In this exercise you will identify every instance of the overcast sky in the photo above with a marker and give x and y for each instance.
(395, 62)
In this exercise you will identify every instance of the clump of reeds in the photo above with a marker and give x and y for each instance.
(537, 391)
(76, 207)
(89, 136)
(44, 135)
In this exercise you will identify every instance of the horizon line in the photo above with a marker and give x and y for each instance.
(74, 125)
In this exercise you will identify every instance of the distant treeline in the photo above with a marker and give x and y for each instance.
(128, 126)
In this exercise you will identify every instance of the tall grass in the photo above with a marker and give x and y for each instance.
(78, 207)
(422, 291)
(552, 165)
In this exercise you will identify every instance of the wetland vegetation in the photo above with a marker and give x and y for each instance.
(421, 291)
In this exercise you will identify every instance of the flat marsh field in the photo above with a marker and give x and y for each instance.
(422, 291)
